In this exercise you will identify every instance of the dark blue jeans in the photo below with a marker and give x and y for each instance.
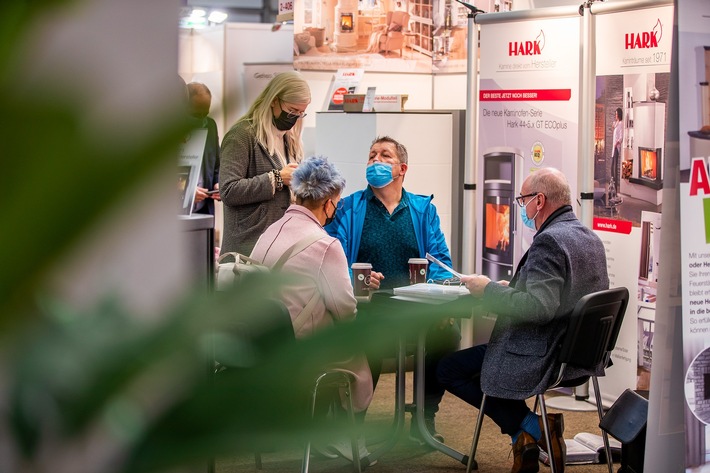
(442, 339)
(460, 374)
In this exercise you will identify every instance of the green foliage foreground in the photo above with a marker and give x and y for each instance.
(144, 389)
(99, 389)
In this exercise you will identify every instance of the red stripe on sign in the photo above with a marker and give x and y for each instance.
(611, 225)
(524, 95)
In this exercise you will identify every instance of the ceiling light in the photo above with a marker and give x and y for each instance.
(217, 16)
(193, 22)
(198, 12)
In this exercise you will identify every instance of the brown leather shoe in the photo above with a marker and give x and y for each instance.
(559, 449)
(525, 454)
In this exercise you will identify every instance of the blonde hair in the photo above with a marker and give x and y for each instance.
(287, 87)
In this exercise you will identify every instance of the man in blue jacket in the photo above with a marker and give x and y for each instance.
(385, 225)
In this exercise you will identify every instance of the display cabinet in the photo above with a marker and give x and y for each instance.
(421, 24)
(198, 236)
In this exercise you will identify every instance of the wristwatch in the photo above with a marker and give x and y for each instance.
(277, 179)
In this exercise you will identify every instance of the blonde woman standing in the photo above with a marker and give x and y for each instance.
(258, 156)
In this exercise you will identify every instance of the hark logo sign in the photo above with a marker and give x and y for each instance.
(645, 39)
(527, 48)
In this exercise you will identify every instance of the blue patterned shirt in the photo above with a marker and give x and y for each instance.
(388, 240)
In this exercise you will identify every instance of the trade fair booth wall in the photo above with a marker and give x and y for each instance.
(225, 59)
(540, 100)
(624, 62)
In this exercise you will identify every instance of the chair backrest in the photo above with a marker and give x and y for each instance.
(594, 328)
(399, 17)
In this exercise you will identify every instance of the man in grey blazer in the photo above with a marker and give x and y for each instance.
(565, 261)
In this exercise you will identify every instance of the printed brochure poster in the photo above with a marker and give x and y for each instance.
(694, 147)
(345, 81)
(528, 119)
(189, 163)
(633, 53)
(409, 36)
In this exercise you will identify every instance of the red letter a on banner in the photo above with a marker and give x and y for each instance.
(699, 177)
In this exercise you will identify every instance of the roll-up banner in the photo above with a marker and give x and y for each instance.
(528, 119)
(694, 145)
(633, 54)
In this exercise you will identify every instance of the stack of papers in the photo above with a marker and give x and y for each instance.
(432, 291)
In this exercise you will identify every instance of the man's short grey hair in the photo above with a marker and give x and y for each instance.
(553, 183)
(402, 154)
(316, 178)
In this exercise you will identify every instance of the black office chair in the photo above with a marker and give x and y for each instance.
(272, 329)
(591, 336)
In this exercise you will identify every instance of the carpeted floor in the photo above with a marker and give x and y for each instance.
(455, 422)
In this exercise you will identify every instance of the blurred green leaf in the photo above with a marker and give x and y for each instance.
(79, 369)
(144, 389)
(65, 180)
(15, 18)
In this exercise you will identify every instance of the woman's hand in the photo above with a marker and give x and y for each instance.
(215, 195)
(287, 172)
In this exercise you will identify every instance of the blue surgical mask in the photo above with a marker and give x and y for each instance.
(379, 174)
(527, 221)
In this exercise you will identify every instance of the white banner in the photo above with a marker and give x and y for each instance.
(694, 106)
(633, 53)
(529, 105)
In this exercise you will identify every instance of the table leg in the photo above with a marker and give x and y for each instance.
(419, 404)
(399, 405)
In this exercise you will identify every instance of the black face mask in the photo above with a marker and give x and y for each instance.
(328, 220)
(283, 122)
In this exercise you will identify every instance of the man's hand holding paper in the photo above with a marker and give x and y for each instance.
(475, 284)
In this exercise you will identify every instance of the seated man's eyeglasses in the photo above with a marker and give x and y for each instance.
(520, 198)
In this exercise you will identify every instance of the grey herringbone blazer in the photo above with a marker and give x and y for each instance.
(565, 262)
(250, 204)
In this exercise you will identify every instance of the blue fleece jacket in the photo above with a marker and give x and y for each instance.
(349, 220)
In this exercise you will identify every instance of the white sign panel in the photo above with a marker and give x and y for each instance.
(639, 39)
(285, 10)
(258, 75)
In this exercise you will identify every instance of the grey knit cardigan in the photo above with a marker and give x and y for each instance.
(250, 203)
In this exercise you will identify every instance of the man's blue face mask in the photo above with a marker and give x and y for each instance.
(527, 221)
(379, 174)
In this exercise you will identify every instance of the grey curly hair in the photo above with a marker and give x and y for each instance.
(316, 178)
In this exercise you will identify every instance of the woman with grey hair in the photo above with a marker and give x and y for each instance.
(321, 269)
(258, 157)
